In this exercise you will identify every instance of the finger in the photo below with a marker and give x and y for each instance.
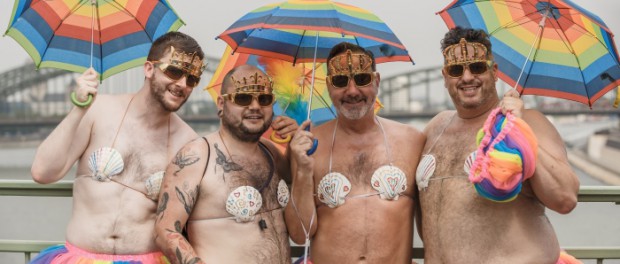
(305, 124)
(512, 93)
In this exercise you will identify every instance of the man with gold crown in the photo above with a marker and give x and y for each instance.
(227, 189)
(122, 144)
(463, 222)
(352, 200)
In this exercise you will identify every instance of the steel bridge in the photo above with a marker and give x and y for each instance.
(31, 99)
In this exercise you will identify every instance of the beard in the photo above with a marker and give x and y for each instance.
(234, 125)
(158, 92)
(357, 112)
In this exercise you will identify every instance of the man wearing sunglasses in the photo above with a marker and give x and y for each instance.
(457, 224)
(352, 199)
(227, 188)
(122, 144)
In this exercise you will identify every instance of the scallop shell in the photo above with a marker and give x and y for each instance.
(153, 185)
(105, 163)
(243, 203)
(469, 162)
(389, 181)
(425, 170)
(333, 188)
(283, 193)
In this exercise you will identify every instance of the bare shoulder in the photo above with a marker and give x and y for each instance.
(439, 119)
(400, 130)
(272, 148)
(324, 130)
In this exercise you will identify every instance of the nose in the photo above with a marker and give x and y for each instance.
(467, 75)
(254, 104)
(182, 81)
(351, 87)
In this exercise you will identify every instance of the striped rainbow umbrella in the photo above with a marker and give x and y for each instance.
(300, 30)
(544, 47)
(108, 35)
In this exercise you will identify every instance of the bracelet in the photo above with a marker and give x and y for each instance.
(75, 101)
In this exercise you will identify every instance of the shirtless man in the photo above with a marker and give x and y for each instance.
(227, 189)
(353, 197)
(460, 226)
(121, 143)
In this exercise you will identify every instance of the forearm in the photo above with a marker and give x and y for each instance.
(53, 157)
(300, 212)
(176, 247)
(555, 182)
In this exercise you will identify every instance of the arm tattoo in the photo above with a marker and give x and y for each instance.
(184, 253)
(163, 204)
(183, 159)
(188, 197)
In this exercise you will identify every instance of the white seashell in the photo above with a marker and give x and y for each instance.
(283, 193)
(389, 181)
(469, 162)
(425, 170)
(153, 185)
(333, 188)
(243, 203)
(105, 163)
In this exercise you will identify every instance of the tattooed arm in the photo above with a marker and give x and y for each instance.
(179, 193)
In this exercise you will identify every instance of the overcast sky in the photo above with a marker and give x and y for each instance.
(414, 22)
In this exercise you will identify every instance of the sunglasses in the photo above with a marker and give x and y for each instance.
(361, 79)
(476, 68)
(245, 99)
(176, 73)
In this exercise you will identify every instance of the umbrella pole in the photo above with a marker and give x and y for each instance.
(315, 142)
(541, 25)
(92, 30)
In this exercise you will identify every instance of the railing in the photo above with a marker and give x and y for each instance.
(64, 189)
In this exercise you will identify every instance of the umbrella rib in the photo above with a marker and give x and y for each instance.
(299, 47)
(124, 10)
(100, 44)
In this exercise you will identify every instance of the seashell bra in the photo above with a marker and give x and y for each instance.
(427, 165)
(389, 181)
(107, 162)
(244, 202)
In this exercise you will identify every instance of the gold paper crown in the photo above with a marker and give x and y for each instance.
(343, 63)
(254, 83)
(190, 62)
(464, 52)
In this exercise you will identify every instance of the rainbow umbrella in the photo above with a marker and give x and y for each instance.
(110, 36)
(546, 47)
(300, 30)
(291, 87)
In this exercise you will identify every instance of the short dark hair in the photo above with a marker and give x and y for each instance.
(453, 36)
(344, 46)
(178, 40)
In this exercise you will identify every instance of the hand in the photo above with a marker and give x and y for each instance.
(87, 84)
(284, 126)
(301, 143)
(512, 103)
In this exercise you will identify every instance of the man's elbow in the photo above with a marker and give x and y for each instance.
(39, 175)
(565, 204)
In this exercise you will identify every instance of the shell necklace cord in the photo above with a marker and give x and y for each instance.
(247, 214)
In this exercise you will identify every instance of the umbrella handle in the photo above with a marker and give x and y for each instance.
(315, 144)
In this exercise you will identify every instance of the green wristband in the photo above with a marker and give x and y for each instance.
(75, 101)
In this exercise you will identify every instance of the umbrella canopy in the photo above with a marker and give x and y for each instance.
(546, 47)
(289, 31)
(111, 36)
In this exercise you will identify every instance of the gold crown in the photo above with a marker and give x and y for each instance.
(254, 83)
(342, 64)
(190, 62)
(464, 52)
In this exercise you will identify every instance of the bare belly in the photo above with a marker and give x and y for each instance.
(365, 230)
(226, 241)
(459, 226)
(109, 218)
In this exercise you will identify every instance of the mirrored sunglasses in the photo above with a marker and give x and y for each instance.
(245, 99)
(360, 79)
(176, 73)
(475, 68)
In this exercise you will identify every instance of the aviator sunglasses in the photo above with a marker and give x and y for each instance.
(176, 73)
(476, 68)
(360, 79)
(245, 99)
